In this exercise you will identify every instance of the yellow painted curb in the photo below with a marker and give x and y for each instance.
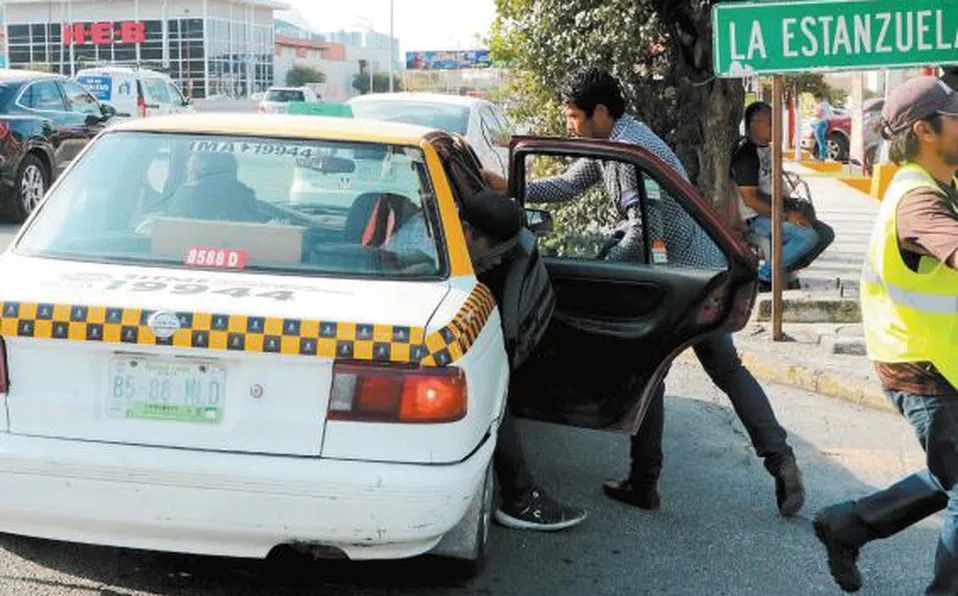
(822, 166)
(861, 393)
(859, 183)
(882, 175)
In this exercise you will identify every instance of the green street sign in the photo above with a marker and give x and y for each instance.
(315, 108)
(750, 38)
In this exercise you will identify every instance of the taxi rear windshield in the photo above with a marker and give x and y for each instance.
(285, 95)
(261, 204)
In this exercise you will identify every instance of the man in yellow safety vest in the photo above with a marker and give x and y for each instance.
(909, 301)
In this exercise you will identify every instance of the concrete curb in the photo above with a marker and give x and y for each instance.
(764, 367)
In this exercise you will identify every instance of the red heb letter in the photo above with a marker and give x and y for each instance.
(132, 32)
(102, 33)
(74, 34)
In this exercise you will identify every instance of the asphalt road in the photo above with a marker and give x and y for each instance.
(718, 532)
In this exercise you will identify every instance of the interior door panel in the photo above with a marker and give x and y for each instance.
(618, 325)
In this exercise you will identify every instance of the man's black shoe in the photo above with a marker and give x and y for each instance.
(842, 557)
(644, 496)
(789, 490)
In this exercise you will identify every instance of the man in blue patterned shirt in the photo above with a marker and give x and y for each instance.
(594, 107)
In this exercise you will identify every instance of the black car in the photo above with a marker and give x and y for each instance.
(45, 120)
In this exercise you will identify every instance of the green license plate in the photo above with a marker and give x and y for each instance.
(155, 389)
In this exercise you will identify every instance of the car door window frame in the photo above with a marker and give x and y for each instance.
(65, 85)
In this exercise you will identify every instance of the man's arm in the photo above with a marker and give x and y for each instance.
(928, 226)
(578, 178)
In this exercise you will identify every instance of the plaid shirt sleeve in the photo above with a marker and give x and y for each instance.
(580, 177)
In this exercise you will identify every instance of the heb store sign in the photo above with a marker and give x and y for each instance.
(773, 37)
(104, 33)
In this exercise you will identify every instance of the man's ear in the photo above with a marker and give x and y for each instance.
(923, 130)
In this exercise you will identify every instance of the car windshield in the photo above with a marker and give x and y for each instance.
(262, 204)
(433, 115)
(285, 95)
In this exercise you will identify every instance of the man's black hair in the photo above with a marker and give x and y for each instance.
(905, 146)
(492, 214)
(754, 109)
(591, 87)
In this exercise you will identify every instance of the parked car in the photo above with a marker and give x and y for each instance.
(277, 99)
(481, 122)
(135, 92)
(235, 372)
(839, 132)
(45, 121)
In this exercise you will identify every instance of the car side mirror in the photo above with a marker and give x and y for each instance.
(187, 101)
(540, 222)
(108, 110)
(93, 119)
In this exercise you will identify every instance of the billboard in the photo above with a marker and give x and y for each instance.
(448, 60)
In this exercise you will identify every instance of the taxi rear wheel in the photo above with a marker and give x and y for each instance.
(464, 548)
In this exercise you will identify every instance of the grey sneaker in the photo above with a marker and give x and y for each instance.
(538, 511)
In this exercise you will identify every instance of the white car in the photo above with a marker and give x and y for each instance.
(481, 122)
(277, 99)
(192, 362)
(135, 92)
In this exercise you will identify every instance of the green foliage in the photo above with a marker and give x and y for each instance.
(300, 75)
(380, 83)
(658, 49)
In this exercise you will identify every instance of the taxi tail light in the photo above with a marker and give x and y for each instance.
(4, 376)
(375, 393)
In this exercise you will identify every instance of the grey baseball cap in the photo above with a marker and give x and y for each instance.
(917, 99)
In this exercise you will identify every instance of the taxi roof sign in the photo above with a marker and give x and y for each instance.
(314, 108)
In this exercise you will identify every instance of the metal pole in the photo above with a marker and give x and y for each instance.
(777, 210)
(392, 51)
(136, 17)
(166, 39)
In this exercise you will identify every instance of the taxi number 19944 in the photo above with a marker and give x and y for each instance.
(254, 148)
(194, 288)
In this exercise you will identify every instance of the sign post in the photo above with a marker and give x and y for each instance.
(771, 38)
(777, 204)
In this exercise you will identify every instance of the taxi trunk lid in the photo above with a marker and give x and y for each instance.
(247, 365)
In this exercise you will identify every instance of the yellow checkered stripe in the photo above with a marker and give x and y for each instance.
(326, 339)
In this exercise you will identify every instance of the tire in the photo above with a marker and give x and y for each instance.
(837, 148)
(32, 183)
(463, 550)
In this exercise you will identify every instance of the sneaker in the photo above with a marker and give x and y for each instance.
(644, 496)
(538, 511)
(842, 557)
(789, 490)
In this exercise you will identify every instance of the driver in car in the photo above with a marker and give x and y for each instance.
(213, 191)
(594, 107)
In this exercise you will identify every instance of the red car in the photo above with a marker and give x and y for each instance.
(840, 131)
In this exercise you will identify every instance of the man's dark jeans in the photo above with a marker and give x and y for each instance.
(914, 498)
(720, 360)
(509, 460)
(826, 235)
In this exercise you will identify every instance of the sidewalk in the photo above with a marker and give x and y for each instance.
(824, 351)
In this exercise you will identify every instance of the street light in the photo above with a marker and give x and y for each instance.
(392, 50)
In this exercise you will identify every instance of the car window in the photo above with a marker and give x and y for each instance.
(285, 95)
(79, 99)
(175, 96)
(157, 91)
(44, 96)
(6, 92)
(493, 131)
(291, 206)
(433, 115)
(616, 211)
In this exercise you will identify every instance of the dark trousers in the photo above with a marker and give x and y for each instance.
(826, 235)
(509, 461)
(914, 498)
(720, 360)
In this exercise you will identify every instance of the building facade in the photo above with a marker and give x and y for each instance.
(209, 47)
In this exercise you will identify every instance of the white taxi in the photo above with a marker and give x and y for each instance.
(192, 362)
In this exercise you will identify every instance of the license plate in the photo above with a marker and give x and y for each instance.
(187, 391)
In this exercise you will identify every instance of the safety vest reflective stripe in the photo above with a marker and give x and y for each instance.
(935, 304)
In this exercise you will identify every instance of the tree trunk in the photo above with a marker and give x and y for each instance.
(711, 108)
